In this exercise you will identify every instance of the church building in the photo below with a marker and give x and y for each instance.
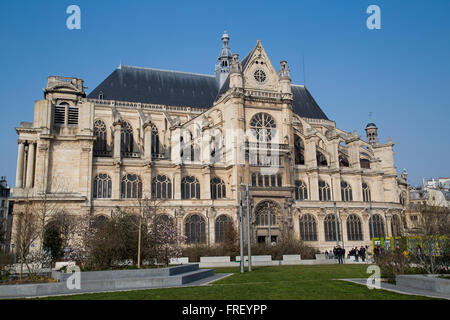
(187, 144)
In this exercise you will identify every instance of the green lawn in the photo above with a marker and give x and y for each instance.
(282, 282)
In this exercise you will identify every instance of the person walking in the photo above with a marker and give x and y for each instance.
(339, 253)
(362, 253)
(356, 254)
(343, 255)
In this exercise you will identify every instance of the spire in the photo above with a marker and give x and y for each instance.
(223, 66)
(225, 53)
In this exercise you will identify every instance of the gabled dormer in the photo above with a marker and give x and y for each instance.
(258, 70)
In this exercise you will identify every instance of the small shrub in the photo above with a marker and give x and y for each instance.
(285, 246)
(6, 262)
(391, 264)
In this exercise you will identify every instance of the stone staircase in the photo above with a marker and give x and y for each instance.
(100, 281)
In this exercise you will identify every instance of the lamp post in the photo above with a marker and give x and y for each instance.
(241, 233)
(249, 241)
(371, 219)
(268, 216)
(336, 223)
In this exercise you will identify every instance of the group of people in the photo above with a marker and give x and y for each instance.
(358, 253)
(338, 253)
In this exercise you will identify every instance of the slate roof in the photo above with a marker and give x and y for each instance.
(174, 88)
(156, 86)
(305, 105)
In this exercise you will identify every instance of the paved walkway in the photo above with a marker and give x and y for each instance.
(403, 290)
(201, 282)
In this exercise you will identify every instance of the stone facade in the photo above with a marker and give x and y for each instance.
(94, 155)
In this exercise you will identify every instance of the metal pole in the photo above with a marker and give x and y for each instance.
(249, 239)
(241, 232)
(371, 219)
(336, 223)
(268, 216)
(139, 244)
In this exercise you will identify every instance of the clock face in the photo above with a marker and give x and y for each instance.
(260, 76)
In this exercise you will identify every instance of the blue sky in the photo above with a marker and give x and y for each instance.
(400, 73)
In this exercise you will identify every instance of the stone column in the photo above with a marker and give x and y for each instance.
(357, 189)
(336, 187)
(117, 140)
(313, 187)
(334, 154)
(206, 185)
(320, 229)
(206, 147)
(148, 142)
(388, 224)
(343, 228)
(366, 227)
(177, 183)
(19, 171)
(116, 182)
(147, 181)
(30, 165)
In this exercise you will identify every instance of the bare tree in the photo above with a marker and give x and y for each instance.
(26, 232)
(433, 228)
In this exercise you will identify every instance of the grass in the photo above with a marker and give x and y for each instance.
(317, 282)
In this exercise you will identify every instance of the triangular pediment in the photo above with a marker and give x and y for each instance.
(258, 70)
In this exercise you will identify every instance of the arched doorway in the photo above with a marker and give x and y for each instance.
(267, 215)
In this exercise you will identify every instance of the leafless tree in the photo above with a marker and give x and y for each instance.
(26, 232)
(433, 228)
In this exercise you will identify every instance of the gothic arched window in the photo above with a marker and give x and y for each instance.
(329, 225)
(187, 144)
(343, 161)
(164, 219)
(195, 229)
(216, 145)
(262, 214)
(263, 127)
(161, 187)
(221, 224)
(100, 134)
(365, 162)
(218, 189)
(102, 186)
(126, 138)
(378, 226)
(190, 188)
(301, 192)
(308, 228)
(346, 192)
(324, 191)
(131, 186)
(395, 226)
(321, 160)
(299, 148)
(155, 140)
(354, 229)
(366, 192)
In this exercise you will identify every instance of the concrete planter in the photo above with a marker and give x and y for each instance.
(424, 282)
(98, 281)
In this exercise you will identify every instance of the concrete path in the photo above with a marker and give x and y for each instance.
(201, 282)
(403, 289)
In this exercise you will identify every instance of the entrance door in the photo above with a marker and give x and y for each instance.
(261, 239)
